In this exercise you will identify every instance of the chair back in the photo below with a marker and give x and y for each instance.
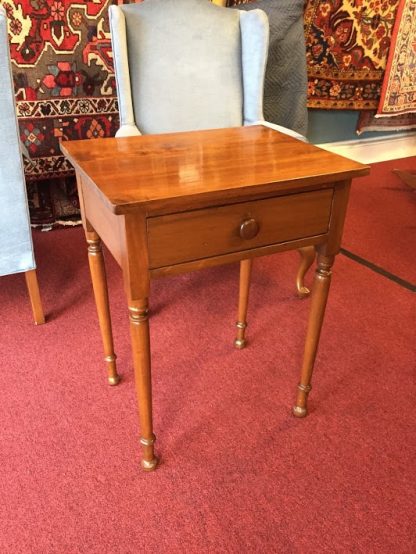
(16, 250)
(185, 64)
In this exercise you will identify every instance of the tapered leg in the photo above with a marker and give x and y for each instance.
(139, 329)
(34, 295)
(99, 284)
(307, 255)
(245, 275)
(319, 298)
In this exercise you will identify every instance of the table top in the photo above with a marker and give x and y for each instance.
(155, 171)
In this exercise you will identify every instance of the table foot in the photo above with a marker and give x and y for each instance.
(299, 412)
(303, 292)
(307, 255)
(150, 465)
(113, 378)
(149, 461)
(300, 409)
(240, 342)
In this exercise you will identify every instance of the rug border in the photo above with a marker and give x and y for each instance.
(397, 25)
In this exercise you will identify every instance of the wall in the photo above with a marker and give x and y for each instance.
(337, 125)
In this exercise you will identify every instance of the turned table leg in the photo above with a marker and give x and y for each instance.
(307, 257)
(320, 291)
(140, 338)
(245, 275)
(99, 284)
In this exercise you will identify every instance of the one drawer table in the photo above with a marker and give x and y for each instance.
(165, 204)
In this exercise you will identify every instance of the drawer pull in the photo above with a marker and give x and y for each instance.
(249, 229)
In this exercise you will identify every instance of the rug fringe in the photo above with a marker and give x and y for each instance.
(44, 227)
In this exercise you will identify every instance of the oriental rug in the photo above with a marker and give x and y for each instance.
(63, 76)
(368, 121)
(398, 95)
(347, 46)
(65, 89)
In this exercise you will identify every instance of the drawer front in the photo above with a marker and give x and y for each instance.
(198, 234)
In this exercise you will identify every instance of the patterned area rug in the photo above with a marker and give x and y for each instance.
(53, 202)
(368, 121)
(65, 89)
(347, 47)
(63, 75)
(398, 95)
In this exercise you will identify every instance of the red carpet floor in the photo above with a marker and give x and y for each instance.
(381, 219)
(239, 473)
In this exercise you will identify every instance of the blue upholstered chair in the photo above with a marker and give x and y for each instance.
(185, 65)
(16, 249)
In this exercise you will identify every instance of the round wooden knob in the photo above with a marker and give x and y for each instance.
(249, 229)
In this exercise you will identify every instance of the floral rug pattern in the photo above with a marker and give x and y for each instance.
(347, 47)
(65, 89)
(398, 94)
(63, 76)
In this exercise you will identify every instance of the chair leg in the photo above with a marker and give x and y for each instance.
(307, 254)
(34, 295)
(99, 285)
(245, 274)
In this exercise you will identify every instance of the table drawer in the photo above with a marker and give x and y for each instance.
(198, 234)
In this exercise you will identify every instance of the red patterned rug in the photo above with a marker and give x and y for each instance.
(65, 89)
(368, 121)
(63, 76)
(398, 95)
(347, 46)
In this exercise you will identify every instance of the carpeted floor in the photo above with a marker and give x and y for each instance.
(238, 473)
(381, 221)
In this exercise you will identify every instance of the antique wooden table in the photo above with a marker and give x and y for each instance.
(165, 204)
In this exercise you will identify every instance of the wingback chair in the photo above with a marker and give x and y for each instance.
(16, 249)
(185, 65)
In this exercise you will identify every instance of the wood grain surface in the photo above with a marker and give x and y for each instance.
(162, 172)
(163, 204)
